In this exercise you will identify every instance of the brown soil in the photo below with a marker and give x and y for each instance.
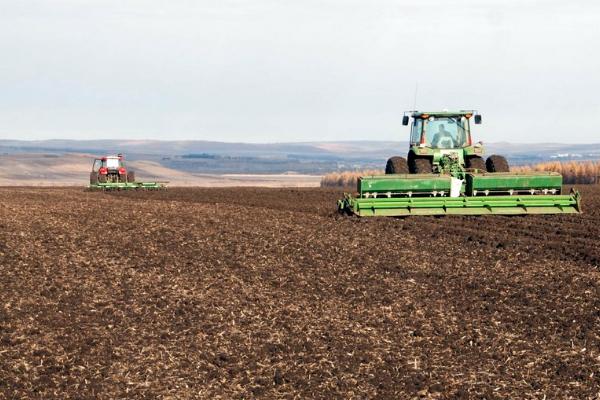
(268, 293)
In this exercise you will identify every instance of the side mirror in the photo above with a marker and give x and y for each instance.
(405, 120)
(478, 119)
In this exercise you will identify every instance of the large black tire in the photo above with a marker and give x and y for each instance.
(130, 176)
(475, 162)
(396, 165)
(102, 178)
(420, 166)
(93, 178)
(496, 163)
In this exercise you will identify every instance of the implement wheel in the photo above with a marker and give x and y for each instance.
(396, 165)
(420, 166)
(475, 162)
(496, 163)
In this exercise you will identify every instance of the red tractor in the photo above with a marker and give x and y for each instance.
(110, 169)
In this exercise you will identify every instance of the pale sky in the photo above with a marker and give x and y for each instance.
(278, 70)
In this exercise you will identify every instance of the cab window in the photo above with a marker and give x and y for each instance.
(97, 165)
(417, 127)
(112, 163)
(447, 132)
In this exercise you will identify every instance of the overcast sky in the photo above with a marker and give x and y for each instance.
(277, 70)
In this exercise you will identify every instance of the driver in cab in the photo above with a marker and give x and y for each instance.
(443, 139)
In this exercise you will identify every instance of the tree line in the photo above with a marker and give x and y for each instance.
(586, 172)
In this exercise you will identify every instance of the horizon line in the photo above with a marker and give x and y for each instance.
(121, 140)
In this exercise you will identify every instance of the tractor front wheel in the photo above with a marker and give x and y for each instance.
(496, 163)
(420, 166)
(93, 178)
(475, 162)
(396, 165)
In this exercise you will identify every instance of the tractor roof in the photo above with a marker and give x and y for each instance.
(119, 156)
(444, 113)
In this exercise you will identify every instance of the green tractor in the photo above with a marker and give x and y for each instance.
(445, 173)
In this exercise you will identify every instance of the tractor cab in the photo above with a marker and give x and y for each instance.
(108, 163)
(441, 130)
(112, 163)
(440, 141)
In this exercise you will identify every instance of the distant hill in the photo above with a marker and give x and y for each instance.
(189, 162)
(317, 150)
(72, 169)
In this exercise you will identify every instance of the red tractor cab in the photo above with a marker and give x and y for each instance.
(110, 169)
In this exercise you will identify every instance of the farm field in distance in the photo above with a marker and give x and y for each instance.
(269, 293)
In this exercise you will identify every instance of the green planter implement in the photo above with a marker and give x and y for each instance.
(128, 186)
(404, 195)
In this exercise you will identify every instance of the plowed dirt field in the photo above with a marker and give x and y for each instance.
(268, 293)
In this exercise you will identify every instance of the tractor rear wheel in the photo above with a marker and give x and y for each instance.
(496, 163)
(93, 178)
(475, 162)
(396, 165)
(130, 176)
(420, 166)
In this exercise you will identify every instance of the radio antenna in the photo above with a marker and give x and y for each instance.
(416, 91)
